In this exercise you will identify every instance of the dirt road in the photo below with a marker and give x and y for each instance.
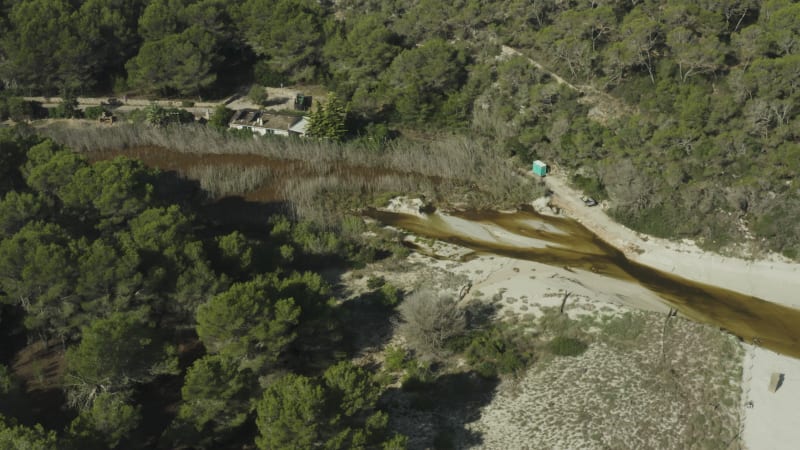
(278, 99)
(592, 217)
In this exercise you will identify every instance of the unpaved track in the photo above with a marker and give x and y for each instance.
(604, 105)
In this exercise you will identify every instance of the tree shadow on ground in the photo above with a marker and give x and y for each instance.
(273, 101)
(351, 329)
(436, 415)
(368, 322)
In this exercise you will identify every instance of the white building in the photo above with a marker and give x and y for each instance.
(263, 123)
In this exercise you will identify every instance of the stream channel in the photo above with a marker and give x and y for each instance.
(564, 242)
(558, 241)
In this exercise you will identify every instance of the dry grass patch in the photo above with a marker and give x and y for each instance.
(626, 391)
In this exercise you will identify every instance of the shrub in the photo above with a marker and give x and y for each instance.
(221, 117)
(258, 95)
(418, 376)
(375, 282)
(390, 295)
(19, 109)
(429, 320)
(592, 186)
(187, 103)
(395, 358)
(567, 346)
(93, 112)
(498, 351)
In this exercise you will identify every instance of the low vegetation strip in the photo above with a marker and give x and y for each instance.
(625, 391)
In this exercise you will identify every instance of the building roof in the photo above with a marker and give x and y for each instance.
(262, 119)
(300, 127)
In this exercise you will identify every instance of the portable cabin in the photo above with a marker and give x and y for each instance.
(302, 102)
(539, 168)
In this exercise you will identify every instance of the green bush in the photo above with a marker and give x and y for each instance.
(93, 112)
(591, 186)
(258, 95)
(67, 109)
(567, 346)
(187, 103)
(394, 358)
(19, 109)
(418, 376)
(137, 115)
(388, 296)
(375, 282)
(498, 351)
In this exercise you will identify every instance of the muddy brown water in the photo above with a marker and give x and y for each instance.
(768, 324)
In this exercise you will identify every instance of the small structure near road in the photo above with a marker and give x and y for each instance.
(302, 102)
(106, 117)
(539, 168)
(588, 201)
(264, 123)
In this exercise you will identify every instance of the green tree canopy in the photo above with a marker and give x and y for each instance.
(328, 121)
(357, 55)
(184, 46)
(114, 353)
(289, 414)
(175, 262)
(336, 411)
(37, 272)
(252, 322)
(420, 79)
(110, 192)
(110, 419)
(43, 48)
(287, 33)
(216, 395)
(27, 438)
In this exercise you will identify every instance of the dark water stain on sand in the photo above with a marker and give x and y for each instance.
(569, 244)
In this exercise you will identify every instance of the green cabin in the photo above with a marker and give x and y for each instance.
(539, 168)
(302, 102)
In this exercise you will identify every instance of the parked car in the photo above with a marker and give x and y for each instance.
(588, 201)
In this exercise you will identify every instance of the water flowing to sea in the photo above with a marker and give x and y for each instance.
(564, 242)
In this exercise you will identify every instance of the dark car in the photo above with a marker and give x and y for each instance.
(589, 201)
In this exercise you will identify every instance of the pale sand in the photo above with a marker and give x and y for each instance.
(774, 421)
(598, 400)
(773, 279)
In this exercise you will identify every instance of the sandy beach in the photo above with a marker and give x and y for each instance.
(773, 279)
(769, 420)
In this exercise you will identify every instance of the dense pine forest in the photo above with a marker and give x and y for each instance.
(134, 303)
(153, 322)
(683, 114)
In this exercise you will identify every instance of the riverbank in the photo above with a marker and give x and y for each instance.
(768, 418)
(643, 382)
(525, 286)
(774, 279)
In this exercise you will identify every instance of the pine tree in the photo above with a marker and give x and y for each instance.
(329, 121)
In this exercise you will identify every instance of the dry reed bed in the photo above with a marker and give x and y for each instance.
(455, 169)
(456, 157)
